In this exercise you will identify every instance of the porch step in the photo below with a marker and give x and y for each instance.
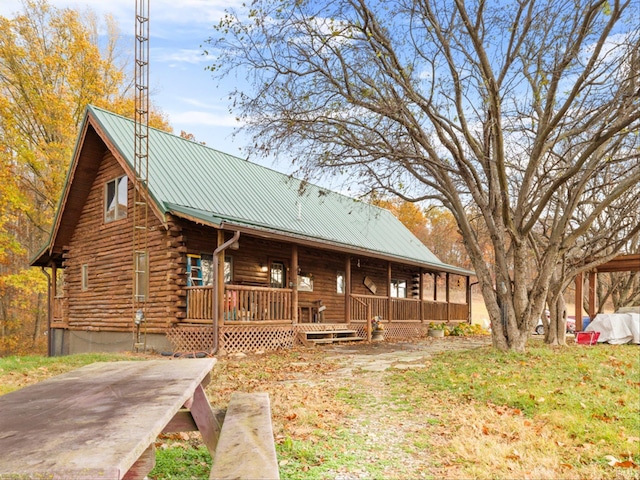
(330, 336)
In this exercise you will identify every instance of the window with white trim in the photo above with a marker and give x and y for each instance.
(115, 199)
(398, 288)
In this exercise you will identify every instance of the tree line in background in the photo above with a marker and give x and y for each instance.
(53, 63)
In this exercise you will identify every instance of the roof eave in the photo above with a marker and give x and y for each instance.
(272, 233)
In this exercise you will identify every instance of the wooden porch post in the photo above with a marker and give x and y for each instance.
(294, 282)
(53, 293)
(435, 286)
(578, 302)
(347, 290)
(593, 282)
(468, 290)
(421, 295)
(54, 284)
(389, 309)
(220, 283)
(447, 296)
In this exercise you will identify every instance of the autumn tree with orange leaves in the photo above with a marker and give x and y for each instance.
(52, 65)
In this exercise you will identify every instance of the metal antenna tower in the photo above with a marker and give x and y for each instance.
(141, 177)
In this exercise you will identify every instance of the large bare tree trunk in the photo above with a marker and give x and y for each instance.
(555, 332)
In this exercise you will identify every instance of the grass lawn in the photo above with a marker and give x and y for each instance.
(561, 413)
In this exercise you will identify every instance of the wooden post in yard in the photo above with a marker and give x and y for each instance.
(593, 282)
(389, 308)
(220, 282)
(468, 290)
(447, 277)
(294, 283)
(578, 302)
(347, 290)
(421, 296)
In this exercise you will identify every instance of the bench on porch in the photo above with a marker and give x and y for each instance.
(246, 448)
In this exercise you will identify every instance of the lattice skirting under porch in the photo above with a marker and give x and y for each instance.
(233, 339)
(191, 339)
(251, 338)
(395, 330)
(321, 327)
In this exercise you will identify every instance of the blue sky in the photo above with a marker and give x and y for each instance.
(180, 85)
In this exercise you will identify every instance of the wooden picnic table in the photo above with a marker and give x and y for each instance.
(101, 421)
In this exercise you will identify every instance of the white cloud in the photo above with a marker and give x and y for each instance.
(183, 55)
(200, 118)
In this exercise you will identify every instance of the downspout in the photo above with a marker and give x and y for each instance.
(216, 300)
(49, 332)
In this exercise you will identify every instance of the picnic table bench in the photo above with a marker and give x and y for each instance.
(101, 421)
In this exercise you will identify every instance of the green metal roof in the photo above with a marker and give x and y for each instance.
(193, 180)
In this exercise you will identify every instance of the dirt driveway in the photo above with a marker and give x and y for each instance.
(332, 407)
(378, 357)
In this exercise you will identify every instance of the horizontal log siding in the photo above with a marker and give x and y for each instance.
(375, 270)
(324, 267)
(107, 250)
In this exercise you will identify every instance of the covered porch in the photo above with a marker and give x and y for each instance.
(257, 318)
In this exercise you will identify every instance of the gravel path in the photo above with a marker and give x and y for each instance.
(379, 357)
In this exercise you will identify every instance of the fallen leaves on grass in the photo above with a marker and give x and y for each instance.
(614, 462)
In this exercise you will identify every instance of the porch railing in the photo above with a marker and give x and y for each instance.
(376, 306)
(406, 309)
(200, 303)
(241, 304)
(248, 304)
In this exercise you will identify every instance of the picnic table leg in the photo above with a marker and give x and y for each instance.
(143, 465)
(208, 424)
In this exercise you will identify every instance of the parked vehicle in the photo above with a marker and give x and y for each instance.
(570, 327)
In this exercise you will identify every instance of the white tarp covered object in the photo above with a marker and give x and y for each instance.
(616, 328)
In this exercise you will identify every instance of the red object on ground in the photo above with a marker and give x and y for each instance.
(587, 338)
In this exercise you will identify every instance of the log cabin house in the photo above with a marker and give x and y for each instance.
(238, 257)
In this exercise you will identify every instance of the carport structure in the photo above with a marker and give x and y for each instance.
(622, 263)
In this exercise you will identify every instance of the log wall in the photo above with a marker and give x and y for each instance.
(107, 250)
